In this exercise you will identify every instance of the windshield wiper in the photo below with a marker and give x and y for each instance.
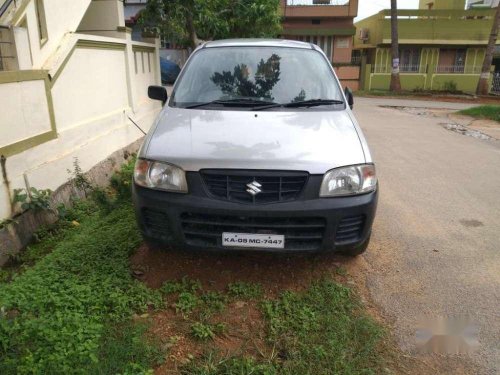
(302, 103)
(234, 102)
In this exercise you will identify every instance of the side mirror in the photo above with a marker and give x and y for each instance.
(158, 93)
(349, 96)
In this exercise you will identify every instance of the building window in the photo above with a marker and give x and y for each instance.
(342, 42)
(165, 43)
(451, 60)
(409, 60)
(356, 57)
(460, 57)
(323, 42)
(42, 23)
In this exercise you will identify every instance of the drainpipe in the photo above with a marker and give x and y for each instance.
(3, 162)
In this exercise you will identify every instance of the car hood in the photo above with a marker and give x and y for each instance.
(312, 141)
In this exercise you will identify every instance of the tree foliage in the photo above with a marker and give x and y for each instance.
(187, 21)
(238, 83)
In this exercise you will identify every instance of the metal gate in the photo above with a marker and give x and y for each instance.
(496, 83)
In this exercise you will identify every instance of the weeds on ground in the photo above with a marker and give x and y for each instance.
(205, 331)
(197, 307)
(47, 237)
(318, 331)
(32, 199)
(183, 285)
(213, 364)
(322, 331)
(63, 314)
(244, 290)
(71, 311)
(450, 87)
(120, 343)
(489, 112)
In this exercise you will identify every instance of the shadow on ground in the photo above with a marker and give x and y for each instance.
(215, 270)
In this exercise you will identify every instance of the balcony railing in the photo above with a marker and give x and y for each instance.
(317, 2)
(458, 69)
(423, 69)
(356, 59)
(8, 59)
(404, 68)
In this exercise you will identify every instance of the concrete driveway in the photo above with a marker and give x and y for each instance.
(435, 248)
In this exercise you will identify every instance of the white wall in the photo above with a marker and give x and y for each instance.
(145, 65)
(102, 15)
(24, 111)
(94, 91)
(87, 82)
(95, 74)
(62, 16)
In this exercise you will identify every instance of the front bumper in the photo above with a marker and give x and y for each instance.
(197, 220)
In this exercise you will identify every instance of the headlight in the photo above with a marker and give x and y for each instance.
(353, 180)
(161, 176)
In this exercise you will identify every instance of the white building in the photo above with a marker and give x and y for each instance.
(471, 4)
(70, 79)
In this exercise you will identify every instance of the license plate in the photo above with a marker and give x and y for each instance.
(269, 241)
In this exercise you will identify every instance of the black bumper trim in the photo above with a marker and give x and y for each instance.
(338, 214)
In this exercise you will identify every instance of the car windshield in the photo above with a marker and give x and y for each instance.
(253, 76)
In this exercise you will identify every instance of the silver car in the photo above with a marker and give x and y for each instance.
(257, 148)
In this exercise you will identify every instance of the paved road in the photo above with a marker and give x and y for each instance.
(435, 247)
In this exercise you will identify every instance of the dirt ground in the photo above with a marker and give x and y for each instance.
(245, 334)
(276, 273)
(424, 255)
(442, 98)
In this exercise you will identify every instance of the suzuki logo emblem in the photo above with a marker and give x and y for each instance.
(254, 188)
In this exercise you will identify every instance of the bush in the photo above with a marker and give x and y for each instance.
(121, 181)
(450, 86)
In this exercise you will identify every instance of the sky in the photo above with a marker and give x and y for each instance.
(367, 8)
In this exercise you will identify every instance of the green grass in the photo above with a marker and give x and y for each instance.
(214, 364)
(489, 112)
(62, 315)
(243, 290)
(46, 238)
(322, 330)
(69, 304)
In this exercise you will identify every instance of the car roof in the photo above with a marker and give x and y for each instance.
(258, 43)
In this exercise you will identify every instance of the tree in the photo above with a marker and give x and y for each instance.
(395, 81)
(482, 86)
(239, 84)
(188, 21)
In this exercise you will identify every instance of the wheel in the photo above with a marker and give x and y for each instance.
(357, 250)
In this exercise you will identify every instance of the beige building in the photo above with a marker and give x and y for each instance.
(328, 24)
(71, 78)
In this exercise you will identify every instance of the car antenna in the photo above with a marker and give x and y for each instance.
(137, 126)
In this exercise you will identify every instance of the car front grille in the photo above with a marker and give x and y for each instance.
(206, 230)
(274, 186)
(156, 224)
(349, 229)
